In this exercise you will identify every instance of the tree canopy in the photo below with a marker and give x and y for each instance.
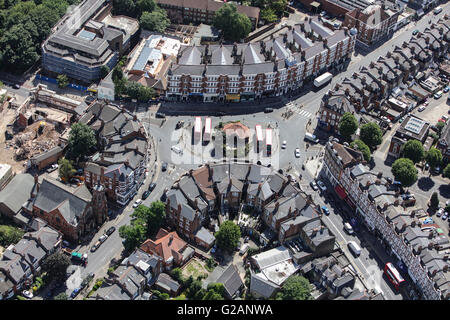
(434, 157)
(235, 26)
(81, 141)
(24, 25)
(154, 21)
(56, 266)
(371, 134)
(361, 146)
(348, 125)
(404, 171)
(446, 172)
(66, 170)
(62, 80)
(413, 150)
(227, 238)
(295, 288)
(10, 235)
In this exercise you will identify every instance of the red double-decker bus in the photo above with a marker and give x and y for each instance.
(393, 275)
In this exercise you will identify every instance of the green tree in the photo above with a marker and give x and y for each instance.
(146, 5)
(61, 296)
(125, 7)
(348, 125)
(434, 158)
(404, 171)
(133, 235)
(440, 125)
(227, 238)
(81, 141)
(361, 146)
(413, 150)
(66, 170)
(295, 288)
(10, 235)
(279, 6)
(434, 200)
(177, 274)
(56, 266)
(371, 134)
(234, 25)
(104, 71)
(446, 173)
(268, 15)
(155, 21)
(180, 297)
(62, 81)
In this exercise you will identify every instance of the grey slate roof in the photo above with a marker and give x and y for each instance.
(231, 280)
(206, 236)
(176, 197)
(17, 191)
(165, 281)
(112, 292)
(47, 236)
(261, 286)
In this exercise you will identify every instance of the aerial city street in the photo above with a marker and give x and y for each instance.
(223, 150)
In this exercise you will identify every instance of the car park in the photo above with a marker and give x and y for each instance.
(110, 230)
(314, 186)
(297, 153)
(137, 203)
(321, 185)
(145, 194)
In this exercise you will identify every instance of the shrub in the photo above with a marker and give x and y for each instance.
(21, 298)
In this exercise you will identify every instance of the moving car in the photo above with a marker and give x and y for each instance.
(137, 203)
(325, 210)
(321, 185)
(297, 153)
(311, 137)
(151, 187)
(110, 230)
(283, 145)
(164, 166)
(145, 195)
(314, 186)
(348, 228)
(416, 31)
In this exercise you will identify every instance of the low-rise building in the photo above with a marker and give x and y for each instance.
(412, 128)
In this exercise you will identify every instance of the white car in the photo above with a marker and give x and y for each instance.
(27, 294)
(137, 203)
(321, 185)
(297, 153)
(283, 145)
(421, 108)
(103, 238)
(438, 94)
(177, 150)
(445, 216)
(440, 212)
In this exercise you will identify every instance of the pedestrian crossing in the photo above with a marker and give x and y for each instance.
(304, 113)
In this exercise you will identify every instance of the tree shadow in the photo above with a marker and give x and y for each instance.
(389, 160)
(425, 183)
(444, 191)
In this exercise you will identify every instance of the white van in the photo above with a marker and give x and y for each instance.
(354, 248)
(348, 228)
(176, 150)
(311, 137)
(437, 10)
(244, 249)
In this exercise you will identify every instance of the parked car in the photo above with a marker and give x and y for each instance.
(52, 168)
(321, 185)
(268, 110)
(283, 144)
(27, 294)
(110, 230)
(160, 115)
(439, 212)
(445, 216)
(177, 150)
(137, 203)
(446, 89)
(416, 31)
(164, 166)
(74, 293)
(314, 186)
(325, 210)
(95, 246)
(151, 187)
(438, 94)
(103, 238)
(297, 153)
(145, 195)
(388, 179)
(421, 108)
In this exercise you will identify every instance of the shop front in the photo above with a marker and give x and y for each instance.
(247, 96)
(195, 97)
(233, 97)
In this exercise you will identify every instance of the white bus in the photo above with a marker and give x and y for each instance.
(259, 137)
(322, 79)
(198, 128)
(208, 128)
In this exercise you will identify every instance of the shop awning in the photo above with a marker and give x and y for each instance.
(340, 191)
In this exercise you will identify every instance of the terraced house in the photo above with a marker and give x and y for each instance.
(248, 71)
(119, 165)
